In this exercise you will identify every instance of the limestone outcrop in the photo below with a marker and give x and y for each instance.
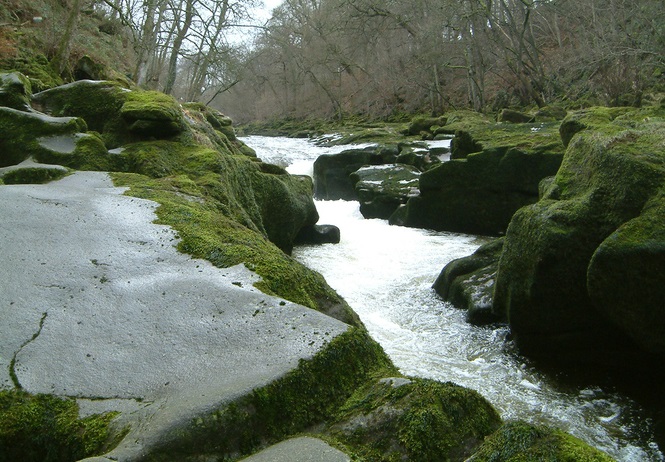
(580, 277)
(382, 189)
(495, 170)
(584, 266)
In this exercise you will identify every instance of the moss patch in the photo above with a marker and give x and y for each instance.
(521, 442)
(44, 428)
(33, 175)
(414, 419)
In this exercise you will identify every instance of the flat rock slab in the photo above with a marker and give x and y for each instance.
(98, 304)
(303, 449)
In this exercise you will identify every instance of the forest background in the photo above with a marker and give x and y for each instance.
(335, 59)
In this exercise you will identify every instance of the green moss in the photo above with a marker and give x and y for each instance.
(209, 219)
(522, 442)
(26, 128)
(289, 405)
(35, 66)
(44, 428)
(98, 103)
(607, 121)
(418, 419)
(153, 113)
(33, 175)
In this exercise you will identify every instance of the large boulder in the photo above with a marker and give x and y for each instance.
(480, 194)
(468, 282)
(15, 91)
(121, 115)
(581, 275)
(32, 133)
(382, 189)
(331, 172)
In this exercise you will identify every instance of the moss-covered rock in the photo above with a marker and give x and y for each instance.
(33, 174)
(522, 442)
(606, 120)
(308, 396)
(481, 193)
(44, 428)
(96, 102)
(421, 125)
(468, 283)
(331, 172)
(210, 217)
(514, 117)
(121, 115)
(217, 127)
(382, 189)
(625, 276)
(26, 129)
(15, 91)
(35, 66)
(554, 301)
(152, 114)
(414, 419)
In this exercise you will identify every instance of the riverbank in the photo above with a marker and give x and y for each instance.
(154, 355)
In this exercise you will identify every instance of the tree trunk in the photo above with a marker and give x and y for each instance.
(61, 58)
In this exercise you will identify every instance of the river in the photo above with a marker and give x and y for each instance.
(386, 272)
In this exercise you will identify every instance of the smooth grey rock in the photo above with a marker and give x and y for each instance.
(303, 449)
(98, 304)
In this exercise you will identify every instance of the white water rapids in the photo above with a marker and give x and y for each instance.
(386, 272)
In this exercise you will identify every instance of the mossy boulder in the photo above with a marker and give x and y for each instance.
(96, 102)
(522, 442)
(481, 193)
(26, 130)
(30, 172)
(121, 115)
(514, 117)
(15, 91)
(414, 419)
(420, 125)
(213, 128)
(152, 114)
(606, 120)
(382, 189)
(275, 205)
(625, 276)
(331, 172)
(468, 282)
(603, 206)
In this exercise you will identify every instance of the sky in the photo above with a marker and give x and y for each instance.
(269, 5)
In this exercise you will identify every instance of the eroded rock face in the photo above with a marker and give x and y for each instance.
(581, 275)
(468, 283)
(27, 129)
(15, 91)
(331, 172)
(382, 189)
(479, 194)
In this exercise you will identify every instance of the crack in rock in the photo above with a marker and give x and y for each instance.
(12, 364)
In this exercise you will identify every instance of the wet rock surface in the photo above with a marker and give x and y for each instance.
(99, 305)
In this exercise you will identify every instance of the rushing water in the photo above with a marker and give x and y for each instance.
(386, 272)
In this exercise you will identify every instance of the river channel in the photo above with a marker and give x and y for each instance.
(386, 272)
